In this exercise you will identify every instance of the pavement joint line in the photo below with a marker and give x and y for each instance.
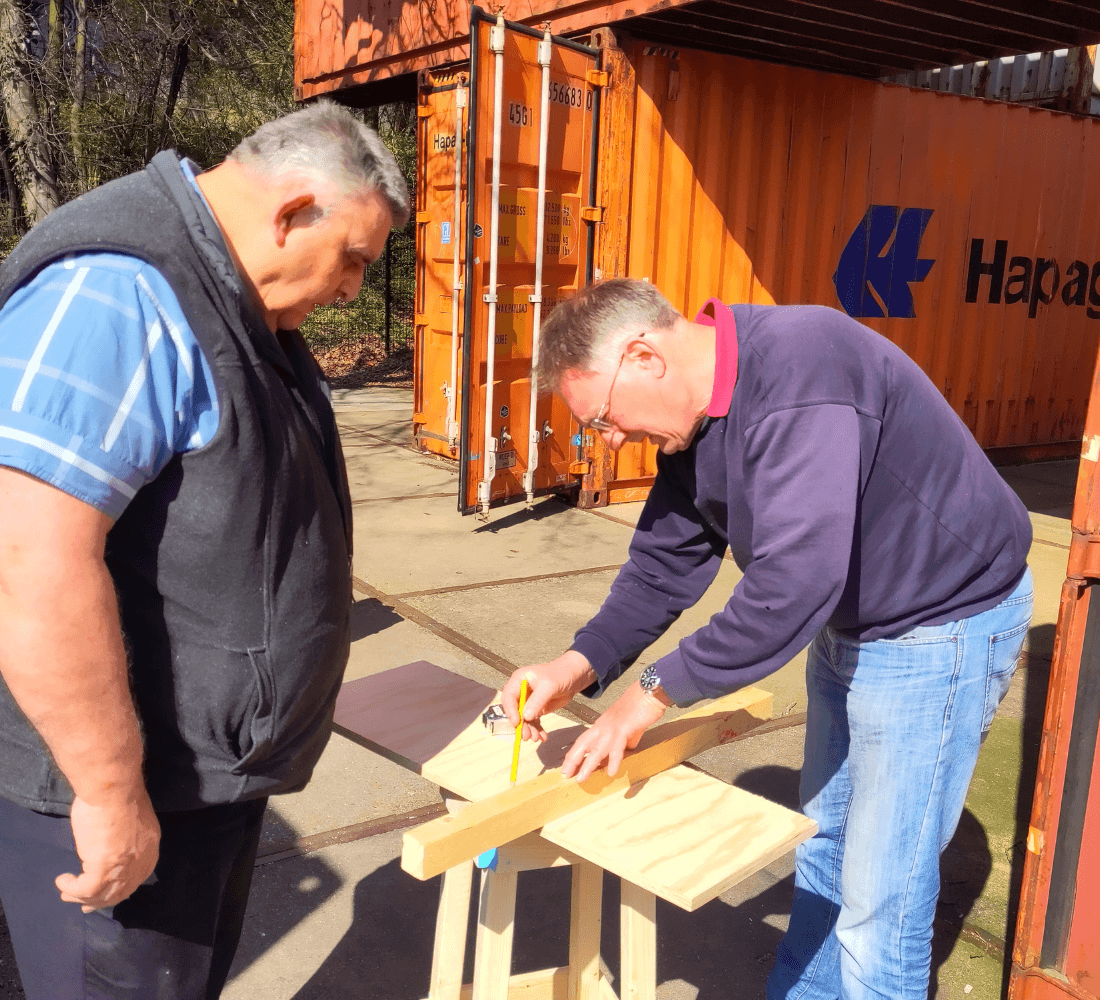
(608, 517)
(1053, 545)
(411, 496)
(354, 832)
(510, 580)
(487, 656)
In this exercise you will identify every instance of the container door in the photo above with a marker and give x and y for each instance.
(440, 258)
(497, 446)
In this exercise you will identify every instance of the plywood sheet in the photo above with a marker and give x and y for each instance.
(681, 834)
(429, 720)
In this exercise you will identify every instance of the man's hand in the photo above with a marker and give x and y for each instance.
(619, 729)
(117, 843)
(63, 658)
(549, 687)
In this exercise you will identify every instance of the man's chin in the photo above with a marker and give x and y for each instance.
(664, 445)
(292, 319)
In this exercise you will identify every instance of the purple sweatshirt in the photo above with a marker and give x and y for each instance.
(847, 490)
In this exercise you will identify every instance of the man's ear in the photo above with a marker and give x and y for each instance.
(286, 212)
(647, 354)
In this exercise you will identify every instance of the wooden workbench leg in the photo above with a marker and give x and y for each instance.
(449, 953)
(495, 923)
(584, 931)
(638, 931)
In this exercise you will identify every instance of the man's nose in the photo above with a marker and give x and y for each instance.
(352, 282)
(613, 438)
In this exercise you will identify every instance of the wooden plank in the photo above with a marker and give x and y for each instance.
(449, 952)
(428, 719)
(545, 984)
(585, 918)
(638, 937)
(682, 834)
(532, 853)
(495, 926)
(434, 847)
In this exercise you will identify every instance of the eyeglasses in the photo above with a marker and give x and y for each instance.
(600, 422)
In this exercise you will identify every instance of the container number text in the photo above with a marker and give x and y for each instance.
(520, 114)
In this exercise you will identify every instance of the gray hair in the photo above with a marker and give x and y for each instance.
(580, 329)
(327, 139)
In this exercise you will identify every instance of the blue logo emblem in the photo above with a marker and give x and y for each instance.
(880, 260)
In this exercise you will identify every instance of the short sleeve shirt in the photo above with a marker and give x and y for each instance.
(102, 380)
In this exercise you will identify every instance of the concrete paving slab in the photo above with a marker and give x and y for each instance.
(425, 544)
(384, 640)
(1051, 531)
(1045, 487)
(350, 785)
(1048, 571)
(391, 424)
(628, 513)
(397, 473)
(375, 397)
(532, 622)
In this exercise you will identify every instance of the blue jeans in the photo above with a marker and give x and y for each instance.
(892, 736)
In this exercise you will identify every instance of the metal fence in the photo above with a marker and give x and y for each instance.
(382, 312)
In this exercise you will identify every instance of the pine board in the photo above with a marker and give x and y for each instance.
(681, 834)
(434, 847)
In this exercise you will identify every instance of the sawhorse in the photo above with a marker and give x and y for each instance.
(581, 979)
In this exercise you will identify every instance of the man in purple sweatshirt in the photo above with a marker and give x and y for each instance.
(869, 526)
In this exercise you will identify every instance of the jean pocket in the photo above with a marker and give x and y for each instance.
(1004, 652)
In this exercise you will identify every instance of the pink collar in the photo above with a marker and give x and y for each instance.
(725, 354)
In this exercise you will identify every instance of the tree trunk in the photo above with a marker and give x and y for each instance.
(54, 42)
(183, 55)
(80, 81)
(31, 155)
(151, 111)
(11, 194)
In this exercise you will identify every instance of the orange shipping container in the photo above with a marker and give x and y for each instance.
(957, 227)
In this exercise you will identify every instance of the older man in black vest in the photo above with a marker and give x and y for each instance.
(175, 546)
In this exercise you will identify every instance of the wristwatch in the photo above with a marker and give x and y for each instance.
(651, 685)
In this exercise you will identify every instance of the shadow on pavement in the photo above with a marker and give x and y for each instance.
(370, 616)
(544, 508)
(386, 954)
(964, 870)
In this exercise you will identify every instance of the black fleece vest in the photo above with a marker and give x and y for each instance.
(233, 567)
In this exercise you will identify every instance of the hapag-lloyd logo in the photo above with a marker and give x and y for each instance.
(879, 261)
(882, 258)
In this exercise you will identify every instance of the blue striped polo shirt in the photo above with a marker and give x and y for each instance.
(102, 380)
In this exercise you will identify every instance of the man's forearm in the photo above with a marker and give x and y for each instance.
(63, 659)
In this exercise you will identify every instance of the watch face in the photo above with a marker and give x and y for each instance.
(649, 679)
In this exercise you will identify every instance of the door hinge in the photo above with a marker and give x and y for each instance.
(424, 111)
(597, 77)
(423, 217)
(580, 468)
(592, 213)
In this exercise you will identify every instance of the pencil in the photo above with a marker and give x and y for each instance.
(519, 730)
